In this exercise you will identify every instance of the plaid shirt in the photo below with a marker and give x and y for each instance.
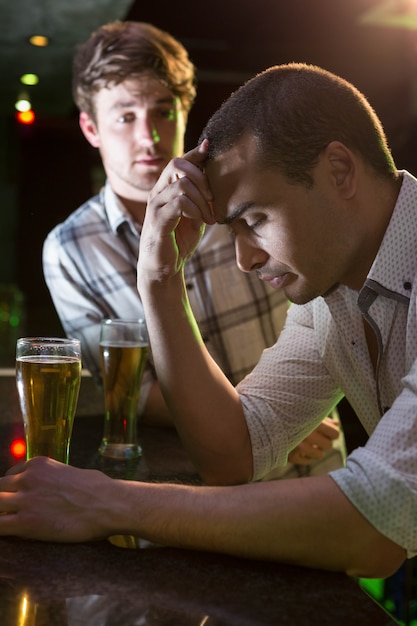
(90, 267)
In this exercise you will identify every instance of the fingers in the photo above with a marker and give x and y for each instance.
(329, 428)
(7, 523)
(15, 469)
(52, 501)
(8, 486)
(8, 500)
(178, 208)
(304, 454)
(316, 444)
(188, 194)
(183, 187)
(197, 155)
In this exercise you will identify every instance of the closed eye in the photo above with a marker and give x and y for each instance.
(254, 223)
(247, 224)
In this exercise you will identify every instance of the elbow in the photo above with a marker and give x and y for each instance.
(378, 560)
(223, 478)
(223, 470)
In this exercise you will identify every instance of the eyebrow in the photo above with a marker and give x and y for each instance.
(238, 212)
(131, 103)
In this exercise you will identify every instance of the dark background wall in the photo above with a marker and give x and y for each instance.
(48, 169)
(54, 176)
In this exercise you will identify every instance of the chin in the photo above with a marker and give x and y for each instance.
(329, 291)
(302, 297)
(146, 183)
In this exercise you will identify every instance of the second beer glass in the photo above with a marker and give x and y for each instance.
(123, 350)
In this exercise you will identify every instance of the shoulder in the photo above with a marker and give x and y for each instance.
(89, 219)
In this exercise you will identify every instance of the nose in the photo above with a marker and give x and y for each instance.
(145, 130)
(249, 257)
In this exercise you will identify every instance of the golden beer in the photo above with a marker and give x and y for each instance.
(48, 387)
(122, 364)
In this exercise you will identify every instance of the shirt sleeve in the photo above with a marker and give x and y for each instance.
(289, 383)
(73, 301)
(86, 284)
(380, 479)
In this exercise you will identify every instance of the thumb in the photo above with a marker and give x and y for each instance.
(197, 155)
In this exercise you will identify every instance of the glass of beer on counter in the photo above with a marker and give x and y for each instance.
(48, 376)
(123, 350)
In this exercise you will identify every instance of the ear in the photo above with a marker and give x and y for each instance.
(89, 129)
(342, 168)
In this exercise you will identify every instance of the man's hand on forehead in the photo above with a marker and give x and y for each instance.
(191, 167)
(198, 156)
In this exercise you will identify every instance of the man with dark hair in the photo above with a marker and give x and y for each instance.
(341, 245)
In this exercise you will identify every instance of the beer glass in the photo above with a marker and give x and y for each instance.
(48, 376)
(123, 352)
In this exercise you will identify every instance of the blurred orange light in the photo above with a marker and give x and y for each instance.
(26, 117)
(18, 448)
(39, 40)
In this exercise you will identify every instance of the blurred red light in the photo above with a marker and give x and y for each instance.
(18, 448)
(26, 117)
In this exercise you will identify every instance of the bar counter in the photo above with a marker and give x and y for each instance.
(100, 584)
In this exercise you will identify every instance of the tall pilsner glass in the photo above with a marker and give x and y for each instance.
(124, 350)
(48, 376)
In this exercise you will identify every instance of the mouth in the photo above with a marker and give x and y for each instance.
(149, 161)
(277, 282)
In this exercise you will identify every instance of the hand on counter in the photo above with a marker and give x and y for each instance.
(51, 501)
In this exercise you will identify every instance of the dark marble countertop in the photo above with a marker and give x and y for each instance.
(99, 584)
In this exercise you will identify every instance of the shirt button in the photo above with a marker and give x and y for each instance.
(189, 286)
(407, 285)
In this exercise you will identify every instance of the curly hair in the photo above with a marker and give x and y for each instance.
(124, 50)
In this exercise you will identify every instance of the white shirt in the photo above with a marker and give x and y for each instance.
(322, 353)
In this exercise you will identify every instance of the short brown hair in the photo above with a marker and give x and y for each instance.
(123, 50)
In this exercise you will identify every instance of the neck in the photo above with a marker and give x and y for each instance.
(133, 199)
(381, 200)
(135, 208)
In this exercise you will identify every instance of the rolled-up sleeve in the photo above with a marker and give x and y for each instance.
(287, 395)
(380, 479)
